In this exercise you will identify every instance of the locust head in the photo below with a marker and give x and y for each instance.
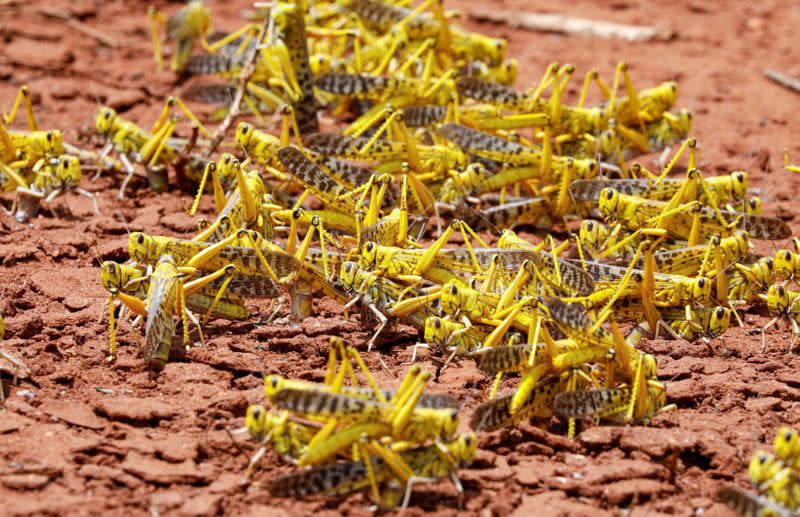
(258, 421)
(435, 332)
(719, 321)
(778, 300)
(763, 467)
(739, 184)
(463, 449)
(764, 271)
(112, 276)
(244, 132)
(143, 248)
(105, 120)
(591, 232)
(785, 263)
(608, 202)
(754, 206)
(787, 444)
(347, 275)
(701, 289)
(451, 298)
(369, 254)
(68, 170)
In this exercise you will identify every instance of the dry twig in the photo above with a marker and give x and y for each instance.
(247, 72)
(81, 27)
(571, 25)
(782, 79)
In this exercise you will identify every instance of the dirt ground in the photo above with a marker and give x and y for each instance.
(83, 436)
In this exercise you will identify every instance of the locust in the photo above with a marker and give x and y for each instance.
(51, 179)
(787, 446)
(505, 151)
(346, 358)
(516, 212)
(635, 212)
(495, 413)
(248, 206)
(129, 284)
(287, 437)
(775, 479)
(714, 257)
(442, 333)
(606, 403)
(376, 87)
(20, 148)
(392, 153)
(185, 26)
(427, 463)
(748, 504)
(750, 279)
(291, 30)
(633, 111)
(251, 260)
(669, 290)
(787, 262)
(165, 298)
(645, 393)
(617, 244)
(782, 304)
(151, 148)
(723, 189)
(364, 419)
(705, 322)
(560, 274)
(376, 294)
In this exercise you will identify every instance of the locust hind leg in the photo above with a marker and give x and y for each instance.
(126, 163)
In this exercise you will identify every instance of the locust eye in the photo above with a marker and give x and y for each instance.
(453, 290)
(107, 114)
(590, 226)
(609, 194)
(64, 162)
(720, 313)
(347, 267)
(753, 203)
(763, 458)
(673, 87)
(739, 177)
(701, 282)
(787, 436)
(49, 136)
(274, 382)
(140, 238)
(370, 246)
(437, 323)
(781, 290)
(245, 128)
(227, 159)
(769, 263)
(787, 255)
(257, 413)
(468, 440)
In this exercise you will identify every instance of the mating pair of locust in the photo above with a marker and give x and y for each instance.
(161, 287)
